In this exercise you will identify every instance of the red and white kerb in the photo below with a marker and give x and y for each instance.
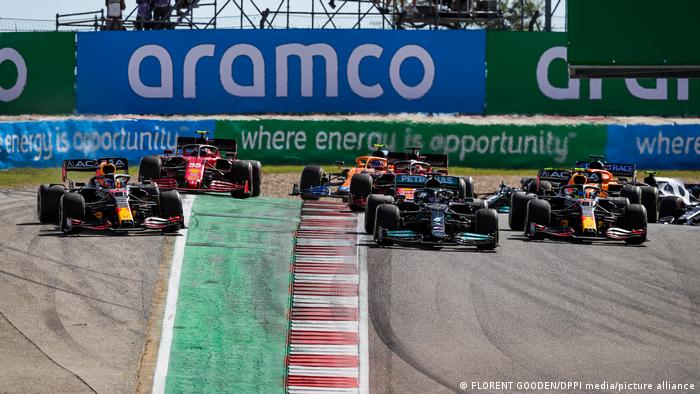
(323, 339)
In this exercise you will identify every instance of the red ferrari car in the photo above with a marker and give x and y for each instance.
(203, 165)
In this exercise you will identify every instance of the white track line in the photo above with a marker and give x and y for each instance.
(364, 310)
(166, 336)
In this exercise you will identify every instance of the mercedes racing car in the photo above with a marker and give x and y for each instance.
(108, 201)
(580, 211)
(679, 203)
(433, 215)
(203, 165)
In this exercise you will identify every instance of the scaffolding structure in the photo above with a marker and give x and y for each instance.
(319, 14)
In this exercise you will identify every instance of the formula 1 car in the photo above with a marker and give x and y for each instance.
(434, 215)
(679, 203)
(372, 174)
(108, 202)
(199, 166)
(579, 211)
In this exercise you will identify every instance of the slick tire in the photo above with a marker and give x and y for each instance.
(257, 178)
(538, 212)
(466, 187)
(487, 224)
(374, 201)
(242, 172)
(672, 206)
(650, 200)
(635, 219)
(72, 206)
(633, 193)
(388, 219)
(518, 210)
(48, 201)
(170, 206)
(311, 176)
(150, 168)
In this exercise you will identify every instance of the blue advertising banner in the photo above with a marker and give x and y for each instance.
(662, 147)
(47, 144)
(281, 71)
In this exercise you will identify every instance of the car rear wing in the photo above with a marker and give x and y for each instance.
(418, 181)
(225, 145)
(435, 160)
(88, 165)
(553, 175)
(618, 170)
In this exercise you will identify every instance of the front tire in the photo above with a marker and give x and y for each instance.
(518, 210)
(466, 187)
(671, 206)
(311, 176)
(487, 224)
(538, 212)
(242, 173)
(650, 200)
(633, 193)
(635, 219)
(257, 178)
(360, 187)
(72, 206)
(388, 216)
(170, 207)
(48, 201)
(374, 201)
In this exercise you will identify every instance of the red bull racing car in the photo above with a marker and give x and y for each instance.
(108, 201)
(203, 165)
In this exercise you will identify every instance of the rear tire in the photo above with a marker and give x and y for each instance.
(257, 178)
(487, 224)
(671, 206)
(388, 216)
(635, 219)
(518, 210)
(48, 201)
(311, 176)
(650, 200)
(72, 206)
(633, 193)
(242, 172)
(170, 206)
(150, 168)
(538, 212)
(373, 201)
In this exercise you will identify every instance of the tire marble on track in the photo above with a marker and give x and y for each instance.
(73, 310)
(536, 311)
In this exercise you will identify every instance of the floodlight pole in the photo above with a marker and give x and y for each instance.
(548, 15)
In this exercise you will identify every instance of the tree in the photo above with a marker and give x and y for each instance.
(521, 14)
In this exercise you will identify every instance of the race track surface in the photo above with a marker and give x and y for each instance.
(73, 310)
(536, 311)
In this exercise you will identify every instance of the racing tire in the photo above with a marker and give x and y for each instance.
(650, 200)
(671, 206)
(242, 172)
(373, 201)
(466, 187)
(487, 224)
(544, 187)
(387, 218)
(48, 200)
(71, 206)
(171, 206)
(311, 176)
(518, 210)
(620, 202)
(360, 187)
(633, 193)
(150, 168)
(635, 219)
(538, 212)
(257, 178)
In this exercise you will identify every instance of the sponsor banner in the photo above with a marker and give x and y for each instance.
(528, 74)
(37, 73)
(485, 146)
(281, 71)
(660, 147)
(47, 144)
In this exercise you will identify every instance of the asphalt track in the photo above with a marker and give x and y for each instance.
(536, 311)
(73, 310)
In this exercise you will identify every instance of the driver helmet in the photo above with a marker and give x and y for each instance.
(206, 151)
(418, 168)
(105, 174)
(596, 165)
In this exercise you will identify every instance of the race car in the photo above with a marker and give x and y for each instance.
(433, 216)
(372, 174)
(679, 203)
(203, 165)
(580, 211)
(500, 199)
(108, 202)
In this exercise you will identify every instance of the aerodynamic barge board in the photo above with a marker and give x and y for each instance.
(230, 328)
(324, 337)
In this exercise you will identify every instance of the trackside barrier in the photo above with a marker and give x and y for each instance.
(285, 141)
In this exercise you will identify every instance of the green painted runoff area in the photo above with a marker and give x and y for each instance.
(231, 324)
